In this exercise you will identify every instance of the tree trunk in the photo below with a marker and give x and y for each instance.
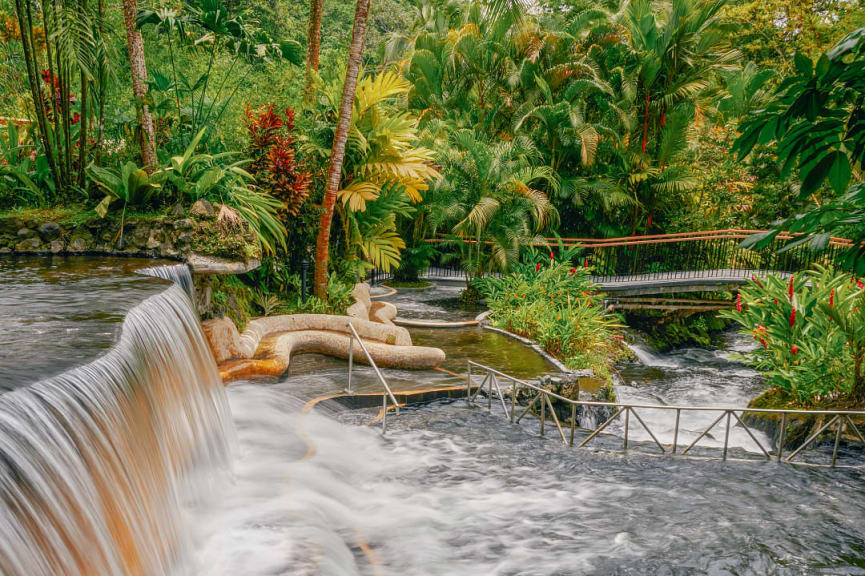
(337, 153)
(135, 44)
(313, 44)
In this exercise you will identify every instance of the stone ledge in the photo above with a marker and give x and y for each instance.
(202, 264)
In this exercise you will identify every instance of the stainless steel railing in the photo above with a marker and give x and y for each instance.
(388, 392)
(841, 419)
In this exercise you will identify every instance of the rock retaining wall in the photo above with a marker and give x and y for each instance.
(165, 236)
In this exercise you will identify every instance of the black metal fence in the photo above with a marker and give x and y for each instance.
(700, 254)
(706, 254)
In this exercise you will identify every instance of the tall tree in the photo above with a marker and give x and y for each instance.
(337, 154)
(313, 44)
(135, 45)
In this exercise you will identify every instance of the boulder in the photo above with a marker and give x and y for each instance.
(24, 233)
(11, 225)
(56, 246)
(78, 244)
(203, 209)
(49, 231)
(223, 337)
(177, 211)
(184, 224)
(28, 245)
(154, 239)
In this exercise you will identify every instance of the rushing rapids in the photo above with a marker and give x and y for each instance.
(95, 462)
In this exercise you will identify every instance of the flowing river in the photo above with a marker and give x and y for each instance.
(264, 478)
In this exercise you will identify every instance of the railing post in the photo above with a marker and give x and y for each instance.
(543, 412)
(841, 423)
(573, 423)
(781, 437)
(469, 382)
(676, 430)
(384, 413)
(726, 435)
(350, 360)
(627, 423)
(514, 389)
(490, 391)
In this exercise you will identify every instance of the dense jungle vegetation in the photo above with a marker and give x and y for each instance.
(346, 136)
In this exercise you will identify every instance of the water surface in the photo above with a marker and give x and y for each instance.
(59, 312)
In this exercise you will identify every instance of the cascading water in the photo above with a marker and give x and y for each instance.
(94, 461)
(179, 274)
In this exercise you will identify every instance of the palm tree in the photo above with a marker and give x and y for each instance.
(337, 155)
(313, 45)
(135, 45)
(385, 171)
(491, 198)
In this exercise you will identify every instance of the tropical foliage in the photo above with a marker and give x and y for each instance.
(816, 123)
(810, 331)
(554, 303)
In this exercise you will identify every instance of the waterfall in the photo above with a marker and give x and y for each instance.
(95, 462)
(648, 357)
(177, 273)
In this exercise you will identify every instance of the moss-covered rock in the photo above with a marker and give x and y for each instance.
(797, 428)
(665, 332)
(63, 231)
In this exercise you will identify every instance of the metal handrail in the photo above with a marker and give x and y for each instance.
(355, 336)
(840, 417)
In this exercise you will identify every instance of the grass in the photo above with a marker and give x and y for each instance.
(408, 284)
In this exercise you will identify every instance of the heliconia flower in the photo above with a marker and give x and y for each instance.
(538, 267)
(794, 349)
(573, 271)
(586, 263)
(790, 289)
(738, 302)
(775, 300)
(792, 317)
(832, 298)
(756, 281)
(860, 284)
(551, 256)
(763, 342)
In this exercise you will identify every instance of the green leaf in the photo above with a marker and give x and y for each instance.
(803, 65)
(102, 207)
(839, 173)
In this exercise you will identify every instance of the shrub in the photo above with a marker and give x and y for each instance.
(557, 306)
(274, 158)
(811, 334)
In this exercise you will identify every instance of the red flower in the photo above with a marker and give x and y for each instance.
(538, 267)
(763, 342)
(551, 256)
(860, 284)
(586, 263)
(775, 300)
(794, 349)
(756, 281)
(790, 289)
(832, 298)
(738, 302)
(573, 271)
(76, 117)
(793, 317)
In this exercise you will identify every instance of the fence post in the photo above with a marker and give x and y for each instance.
(350, 360)
(469, 382)
(627, 423)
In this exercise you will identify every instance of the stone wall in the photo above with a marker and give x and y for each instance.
(176, 236)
